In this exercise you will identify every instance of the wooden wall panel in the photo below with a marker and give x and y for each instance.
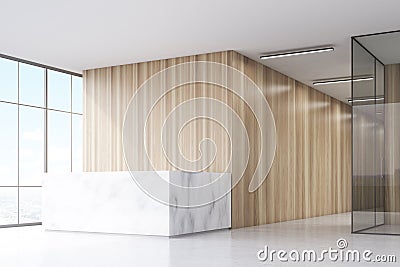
(310, 175)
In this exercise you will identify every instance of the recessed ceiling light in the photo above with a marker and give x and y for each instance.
(365, 99)
(342, 80)
(297, 52)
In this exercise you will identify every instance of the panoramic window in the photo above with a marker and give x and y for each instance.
(41, 130)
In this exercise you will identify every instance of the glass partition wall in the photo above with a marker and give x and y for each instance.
(41, 131)
(375, 103)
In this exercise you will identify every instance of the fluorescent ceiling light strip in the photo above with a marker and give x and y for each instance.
(365, 99)
(346, 80)
(296, 53)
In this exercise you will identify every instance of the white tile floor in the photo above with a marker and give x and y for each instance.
(32, 246)
(393, 229)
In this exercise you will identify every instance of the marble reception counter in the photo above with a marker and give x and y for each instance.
(111, 202)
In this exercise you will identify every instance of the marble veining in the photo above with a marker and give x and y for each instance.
(215, 215)
(111, 202)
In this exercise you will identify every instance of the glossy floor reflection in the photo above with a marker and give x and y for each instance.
(32, 246)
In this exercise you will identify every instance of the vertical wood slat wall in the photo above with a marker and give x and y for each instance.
(311, 172)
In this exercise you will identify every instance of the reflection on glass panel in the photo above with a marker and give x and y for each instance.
(31, 85)
(376, 124)
(59, 90)
(8, 205)
(380, 79)
(363, 67)
(31, 145)
(59, 142)
(9, 144)
(77, 94)
(29, 204)
(77, 143)
(8, 80)
(364, 146)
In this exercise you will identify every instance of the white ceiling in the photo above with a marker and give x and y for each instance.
(386, 47)
(84, 34)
